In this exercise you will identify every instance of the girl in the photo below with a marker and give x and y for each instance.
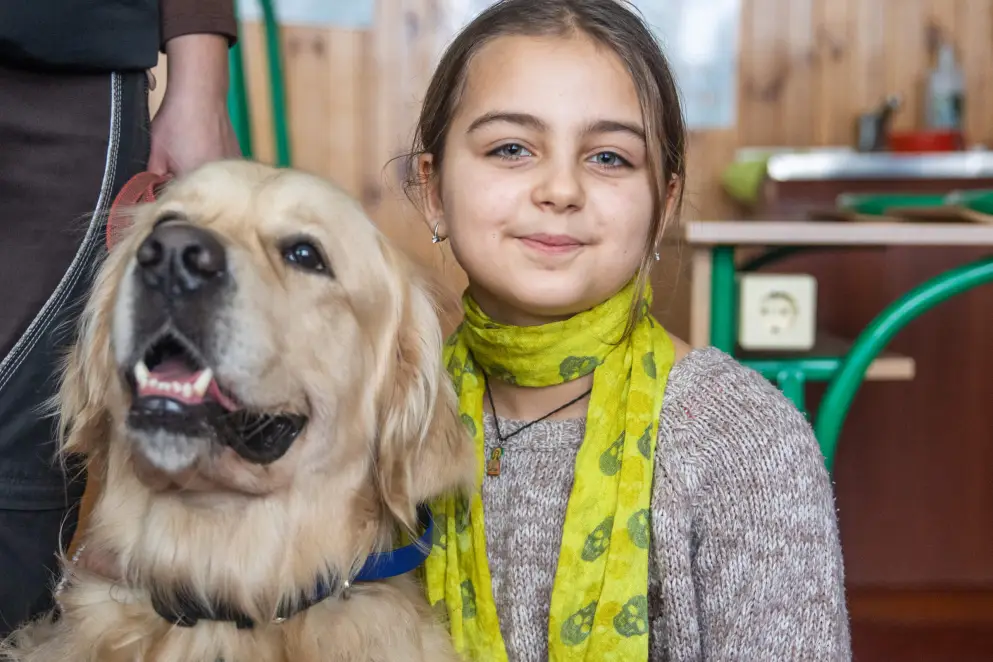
(639, 500)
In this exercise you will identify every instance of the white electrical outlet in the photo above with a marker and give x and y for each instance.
(777, 311)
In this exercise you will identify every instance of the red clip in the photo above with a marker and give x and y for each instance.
(140, 189)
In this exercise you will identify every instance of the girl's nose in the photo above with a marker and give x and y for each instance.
(559, 187)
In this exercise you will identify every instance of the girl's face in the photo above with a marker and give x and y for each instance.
(544, 190)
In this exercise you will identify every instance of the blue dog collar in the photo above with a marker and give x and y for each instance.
(394, 563)
(186, 611)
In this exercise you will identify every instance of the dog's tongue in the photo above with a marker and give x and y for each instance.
(173, 370)
(173, 379)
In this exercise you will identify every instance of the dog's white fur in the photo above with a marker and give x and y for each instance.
(358, 353)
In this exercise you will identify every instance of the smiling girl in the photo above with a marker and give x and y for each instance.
(639, 499)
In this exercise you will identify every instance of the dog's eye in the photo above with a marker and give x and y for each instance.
(305, 255)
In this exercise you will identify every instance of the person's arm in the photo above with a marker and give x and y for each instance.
(192, 125)
(765, 555)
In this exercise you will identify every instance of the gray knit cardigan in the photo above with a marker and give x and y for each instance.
(745, 560)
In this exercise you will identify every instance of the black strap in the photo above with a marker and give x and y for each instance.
(186, 611)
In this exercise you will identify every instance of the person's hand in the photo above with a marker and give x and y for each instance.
(192, 126)
(188, 132)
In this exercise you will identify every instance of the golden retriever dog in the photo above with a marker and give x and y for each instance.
(258, 387)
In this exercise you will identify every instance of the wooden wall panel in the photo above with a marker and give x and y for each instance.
(865, 67)
(808, 67)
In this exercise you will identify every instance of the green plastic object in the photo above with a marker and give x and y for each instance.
(742, 180)
(876, 204)
(978, 200)
(874, 339)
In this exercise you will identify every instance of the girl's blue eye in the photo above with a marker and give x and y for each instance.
(609, 160)
(511, 151)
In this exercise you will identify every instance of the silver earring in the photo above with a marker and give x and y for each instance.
(435, 237)
(657, 258)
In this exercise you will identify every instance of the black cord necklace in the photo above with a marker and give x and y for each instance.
(493, 464)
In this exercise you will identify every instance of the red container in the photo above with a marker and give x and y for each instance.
(926, 141)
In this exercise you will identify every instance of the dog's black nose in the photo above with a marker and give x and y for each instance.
(179, 258)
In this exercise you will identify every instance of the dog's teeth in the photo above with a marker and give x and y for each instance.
(203, 381)
(187, 391)
(141, 373)
(154, 383)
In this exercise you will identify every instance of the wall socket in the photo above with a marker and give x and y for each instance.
(777, 311)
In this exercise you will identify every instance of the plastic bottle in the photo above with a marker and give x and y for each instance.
(945, 92)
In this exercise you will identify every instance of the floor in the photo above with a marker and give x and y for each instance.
(921, 626)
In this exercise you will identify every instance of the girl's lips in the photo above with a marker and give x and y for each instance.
(554, 244)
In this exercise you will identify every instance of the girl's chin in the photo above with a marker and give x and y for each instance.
(542, 299)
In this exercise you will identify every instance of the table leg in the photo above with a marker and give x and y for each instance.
(723, 300)
(842, 388)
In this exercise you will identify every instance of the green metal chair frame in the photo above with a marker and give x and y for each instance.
(238, 94)
(844, 374)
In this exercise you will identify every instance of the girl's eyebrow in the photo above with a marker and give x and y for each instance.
(523, 119)
(615, 126)
(537, 124)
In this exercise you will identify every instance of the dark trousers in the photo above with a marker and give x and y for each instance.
(67, 145)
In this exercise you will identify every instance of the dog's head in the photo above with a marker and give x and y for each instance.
(253, 333)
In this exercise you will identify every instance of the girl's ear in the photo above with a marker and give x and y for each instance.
(430, 182)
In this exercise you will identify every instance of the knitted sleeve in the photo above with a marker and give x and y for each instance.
(756, 518)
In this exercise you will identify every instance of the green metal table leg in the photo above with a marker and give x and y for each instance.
(238, 101)
(793, 385)
(276, 85)
(723, 300)
(813, 369)
(841, 390)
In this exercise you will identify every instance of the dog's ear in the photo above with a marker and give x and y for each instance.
(425, 451)
(88, 380)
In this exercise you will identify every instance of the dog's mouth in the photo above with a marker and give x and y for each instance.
(175, 391)
(170, 371)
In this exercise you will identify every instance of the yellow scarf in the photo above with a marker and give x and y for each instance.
(599, 605)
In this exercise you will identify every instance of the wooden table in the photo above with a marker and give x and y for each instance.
(844, 365)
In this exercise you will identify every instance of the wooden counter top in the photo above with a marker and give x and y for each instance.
(832, 233)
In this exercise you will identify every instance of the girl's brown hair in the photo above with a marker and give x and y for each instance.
(613, 23)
